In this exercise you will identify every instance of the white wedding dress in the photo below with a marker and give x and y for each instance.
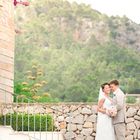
(105, 129)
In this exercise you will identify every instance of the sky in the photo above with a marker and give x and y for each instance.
(129, 8)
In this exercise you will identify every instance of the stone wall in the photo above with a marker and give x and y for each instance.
(78, 121)
(7, 40)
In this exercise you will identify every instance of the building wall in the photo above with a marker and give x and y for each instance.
(7, 43)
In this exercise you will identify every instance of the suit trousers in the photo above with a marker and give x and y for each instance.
(119, 129)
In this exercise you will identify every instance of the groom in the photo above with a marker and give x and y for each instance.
(119, 101)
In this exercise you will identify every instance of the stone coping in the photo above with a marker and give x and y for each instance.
(66, 103)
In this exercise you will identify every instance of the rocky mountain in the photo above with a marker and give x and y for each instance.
(84, 22)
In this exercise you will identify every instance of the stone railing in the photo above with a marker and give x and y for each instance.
(77, 120)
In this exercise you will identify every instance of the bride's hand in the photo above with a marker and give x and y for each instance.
(108, 112)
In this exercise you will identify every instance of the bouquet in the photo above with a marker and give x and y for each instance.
(112, 111)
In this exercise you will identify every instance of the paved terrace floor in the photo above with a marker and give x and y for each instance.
(7, 133)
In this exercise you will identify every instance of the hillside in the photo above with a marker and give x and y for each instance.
(78, 47)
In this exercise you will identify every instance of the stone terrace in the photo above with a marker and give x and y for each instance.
(78, 121)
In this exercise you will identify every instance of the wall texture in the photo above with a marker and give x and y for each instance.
(78, 121)
(7, 40)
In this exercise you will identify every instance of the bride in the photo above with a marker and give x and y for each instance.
(105, 129)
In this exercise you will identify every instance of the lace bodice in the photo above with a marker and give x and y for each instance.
(107, 103)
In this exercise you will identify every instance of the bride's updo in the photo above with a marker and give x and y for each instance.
(103, 85)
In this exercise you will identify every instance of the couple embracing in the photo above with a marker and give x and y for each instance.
(111, 113)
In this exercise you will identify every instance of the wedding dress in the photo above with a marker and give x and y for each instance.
(104, 129)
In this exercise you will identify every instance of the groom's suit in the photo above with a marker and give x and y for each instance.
(119, 119)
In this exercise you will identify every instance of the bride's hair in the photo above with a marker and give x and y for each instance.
(103, 85)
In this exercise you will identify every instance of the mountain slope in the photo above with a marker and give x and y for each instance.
(78, 47)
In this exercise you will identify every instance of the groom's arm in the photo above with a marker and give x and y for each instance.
(119, 101)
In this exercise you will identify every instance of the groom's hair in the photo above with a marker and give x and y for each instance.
(103, 85)
(115, 82)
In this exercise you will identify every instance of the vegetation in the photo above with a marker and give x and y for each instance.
(131, 100)
(78, 49)
(17, 120)
(31, 89)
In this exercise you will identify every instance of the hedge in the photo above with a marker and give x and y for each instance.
(49, 126)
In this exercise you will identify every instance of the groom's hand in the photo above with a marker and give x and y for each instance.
(109, 113)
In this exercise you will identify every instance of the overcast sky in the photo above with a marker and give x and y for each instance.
(130, 8)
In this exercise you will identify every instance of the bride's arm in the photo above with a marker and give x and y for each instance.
(100, 106)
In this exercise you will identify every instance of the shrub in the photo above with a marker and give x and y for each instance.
(131, 100)
(39, 120)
